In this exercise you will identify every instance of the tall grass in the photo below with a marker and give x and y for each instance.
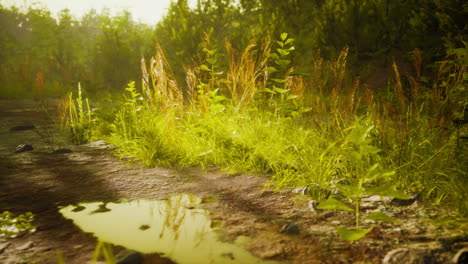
(225, 118)
(75, 115)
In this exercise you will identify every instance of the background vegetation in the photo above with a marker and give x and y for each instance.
(314, 93)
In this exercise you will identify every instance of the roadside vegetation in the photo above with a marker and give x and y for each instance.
(299, 105)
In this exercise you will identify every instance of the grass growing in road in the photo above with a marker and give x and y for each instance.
(238, 113)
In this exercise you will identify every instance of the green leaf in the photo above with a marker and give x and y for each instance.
(212, 52)
(282, 62)
(271, 69)
(368, 149)
(388, 190)
(352, 191)
(204, 68)
(283, 52)
(352, 234)
(268, 90)
(291, 97)
(283, 36)
(358, 135)
(379, 216)
(280, 43)
(274, 56)
(219, 98)
(288, 41)
(279, 80)
(212, 60)
(333, 204)
(375, 172)
(280, 90)
(295, 72)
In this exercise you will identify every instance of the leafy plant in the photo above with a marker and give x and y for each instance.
(368, 179)
(278, 72)
(11, 226)
(79, 118)
(208, 97)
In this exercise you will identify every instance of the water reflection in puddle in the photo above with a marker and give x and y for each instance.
(174, 228)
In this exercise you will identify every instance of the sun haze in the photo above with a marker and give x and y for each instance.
(146, 11)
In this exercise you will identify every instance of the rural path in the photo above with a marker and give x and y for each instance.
(40, 182)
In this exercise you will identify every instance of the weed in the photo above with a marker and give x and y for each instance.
(297, 128)
(76, 115)
(367, 176)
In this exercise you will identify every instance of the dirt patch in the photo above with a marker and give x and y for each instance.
(40, 181)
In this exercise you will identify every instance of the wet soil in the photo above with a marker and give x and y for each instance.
(40, 181)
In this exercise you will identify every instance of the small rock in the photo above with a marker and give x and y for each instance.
(144, 227)
(25, 246)
(98, 144)
(369, 205)
(404, 255)
(129, 257)
(290, 229)
(22, 128)
(312, 204)
(408, 202)
(23, 148)
(62, 151)
(301, 190)
(461, 257)
(372, 198)
(4, 246)
(336, 222)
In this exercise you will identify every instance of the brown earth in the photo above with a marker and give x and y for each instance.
(39, 181)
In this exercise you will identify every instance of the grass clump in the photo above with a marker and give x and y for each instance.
(245, 113)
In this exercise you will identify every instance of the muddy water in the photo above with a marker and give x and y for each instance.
(174, 228)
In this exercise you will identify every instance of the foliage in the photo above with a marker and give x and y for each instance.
(229, 126)
(11, 226)
(76, 115)
(363, 164)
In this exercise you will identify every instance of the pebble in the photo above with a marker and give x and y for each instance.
(290, 229)
(25, 246)
(4, 246)
(312, 204)
(403, 255)
(301, 190)
(402, 202)
(23, 148)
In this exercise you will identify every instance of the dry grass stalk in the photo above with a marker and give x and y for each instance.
(244, 74)
(159, 82)
(401, 100)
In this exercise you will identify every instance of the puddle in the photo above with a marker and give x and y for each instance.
(174, 228)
